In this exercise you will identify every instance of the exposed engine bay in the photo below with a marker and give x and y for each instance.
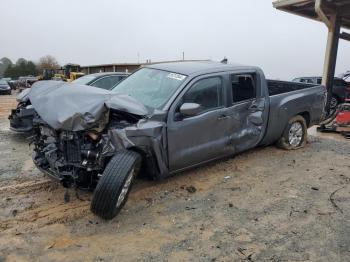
(76, 158)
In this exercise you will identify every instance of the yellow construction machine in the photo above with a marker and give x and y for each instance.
(68, 72)
(72, 72)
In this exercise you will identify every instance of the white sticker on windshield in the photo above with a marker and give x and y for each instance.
(176, 76)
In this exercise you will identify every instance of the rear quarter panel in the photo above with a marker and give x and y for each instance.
(309, 102)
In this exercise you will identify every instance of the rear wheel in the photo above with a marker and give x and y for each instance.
(114, 186)
(294, 135)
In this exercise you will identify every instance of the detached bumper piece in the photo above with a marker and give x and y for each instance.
(21, 120)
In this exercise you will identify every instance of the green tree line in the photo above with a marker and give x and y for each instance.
(24, 67)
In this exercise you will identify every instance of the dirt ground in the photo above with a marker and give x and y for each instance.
(263, 205)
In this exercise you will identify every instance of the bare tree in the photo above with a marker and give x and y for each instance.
(48, 62)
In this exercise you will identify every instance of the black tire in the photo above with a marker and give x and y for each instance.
(286, 141)
(333, 106)
(111, 184)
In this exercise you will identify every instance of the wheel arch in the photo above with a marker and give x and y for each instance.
(148, 162)
(306, 116)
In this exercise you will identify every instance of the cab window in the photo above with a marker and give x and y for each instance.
(243, 87)
(207, 93)
(107, 82)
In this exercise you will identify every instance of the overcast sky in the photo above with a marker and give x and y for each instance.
(88, 32)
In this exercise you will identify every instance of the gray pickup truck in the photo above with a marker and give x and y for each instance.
(161, 120)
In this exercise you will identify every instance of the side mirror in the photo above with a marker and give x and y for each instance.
(190, 109)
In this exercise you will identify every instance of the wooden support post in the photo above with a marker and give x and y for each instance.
(331, 56)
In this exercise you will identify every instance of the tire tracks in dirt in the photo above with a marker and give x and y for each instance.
(34, 204)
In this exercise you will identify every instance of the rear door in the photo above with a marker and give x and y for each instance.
(248, 110)
(203, 137)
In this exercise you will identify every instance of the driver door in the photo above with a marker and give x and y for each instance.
(202, 137)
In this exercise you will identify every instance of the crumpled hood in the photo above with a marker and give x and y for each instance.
(67, 106)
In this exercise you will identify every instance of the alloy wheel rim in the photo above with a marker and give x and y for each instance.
(295, 134)
(125, 188)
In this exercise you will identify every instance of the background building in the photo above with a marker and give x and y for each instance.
(122, 67)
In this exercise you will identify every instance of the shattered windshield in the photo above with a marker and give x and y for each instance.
(84, 80)
(151, 87)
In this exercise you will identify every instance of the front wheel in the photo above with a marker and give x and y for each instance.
(294, 135)
(114, 186)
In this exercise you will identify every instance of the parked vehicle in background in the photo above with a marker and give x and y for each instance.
(163, 119)
(13, 84)
(5, 88)
(345, 76)
(26, 82)
(102, 80)
(8, 80)
(339, 92)
(21, 118)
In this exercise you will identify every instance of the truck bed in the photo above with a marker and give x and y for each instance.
(277, 87)
(288, 99)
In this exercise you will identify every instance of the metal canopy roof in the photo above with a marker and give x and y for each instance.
(306, 8)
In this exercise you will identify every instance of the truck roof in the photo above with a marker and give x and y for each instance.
(200, 67)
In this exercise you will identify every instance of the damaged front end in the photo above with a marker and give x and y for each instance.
(78, 158)
(74, 158)
(75, 143)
